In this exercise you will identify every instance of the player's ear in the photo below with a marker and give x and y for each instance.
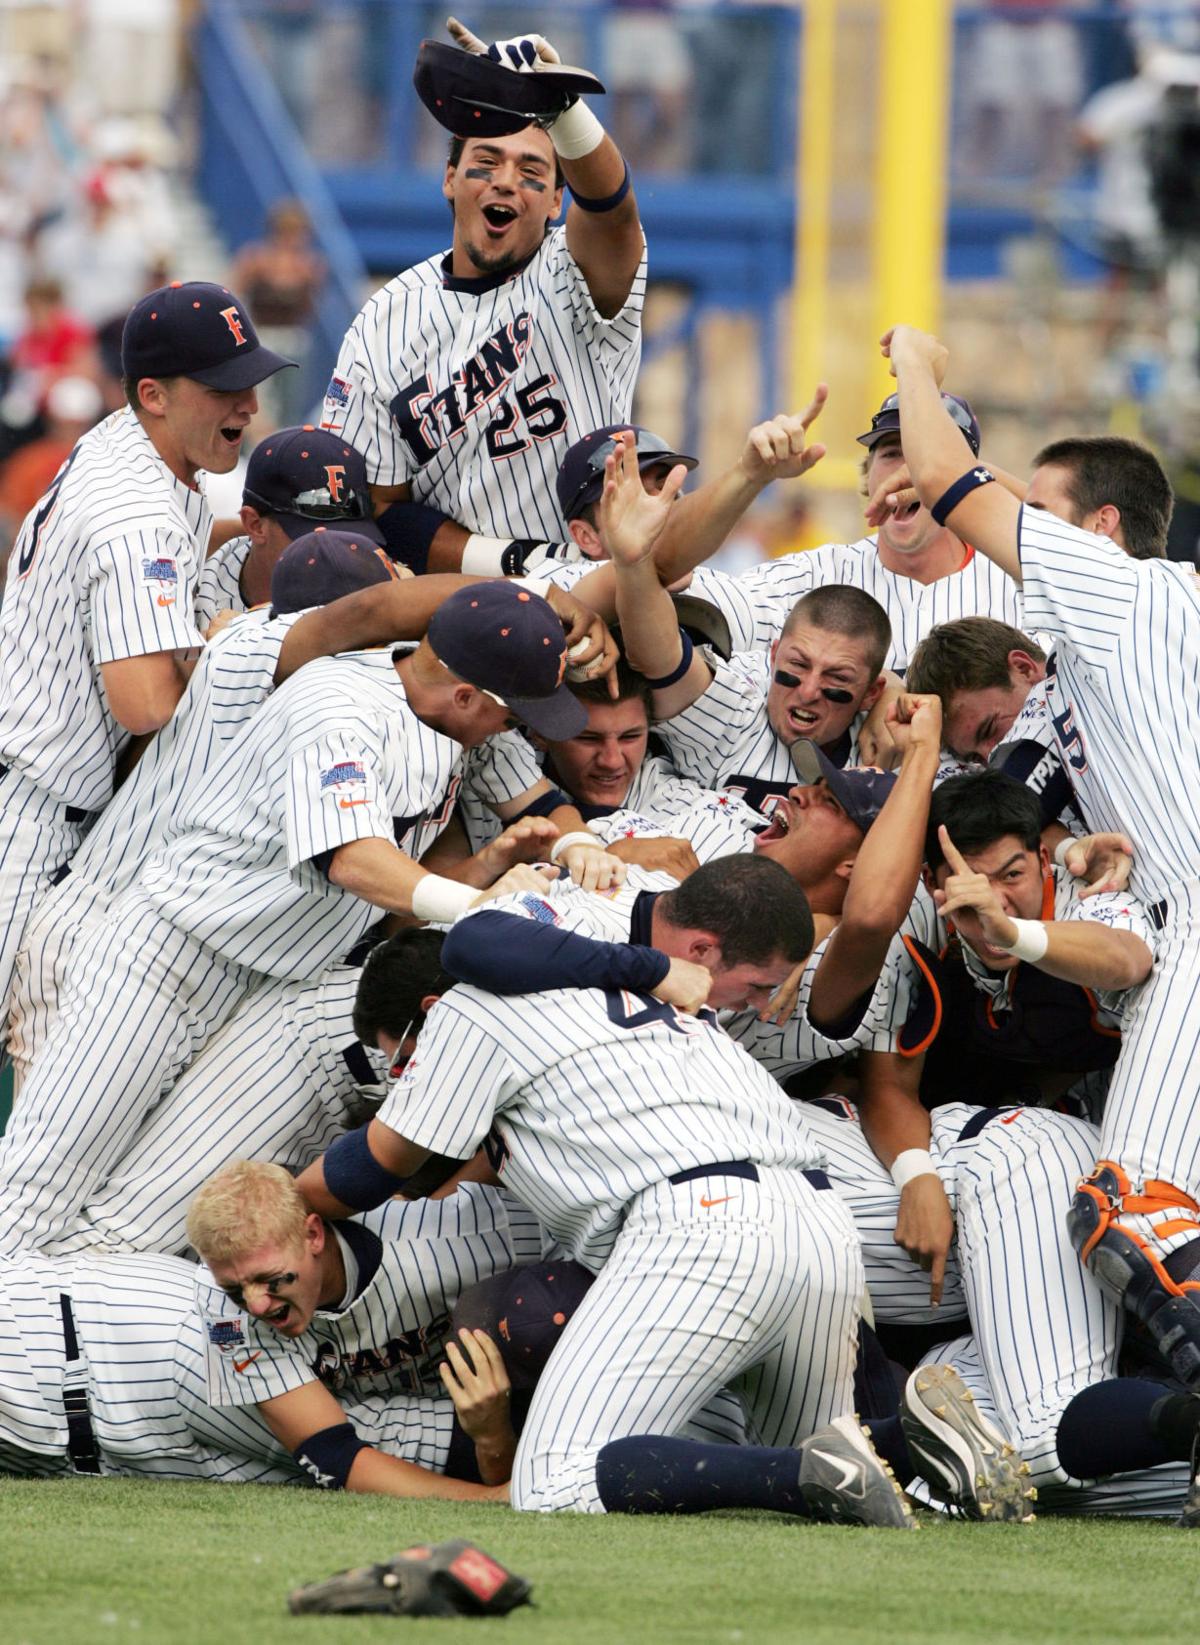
(428, 1001)
(1043, 859)
(152, 396)
(1107, 520)
(253, 523)
(703, 949)
(844, 869)
(874, 692)
(314, 1233)
(1023, 666)
(586, 538)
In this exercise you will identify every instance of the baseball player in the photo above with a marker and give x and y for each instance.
(96, 630)
(279, 860)
(297, 480)
(300, 1314)
(628, 1184)
(464, 379)
(1125, 738)
(105, 1361)
(732, 726)
(920, 572)
(228, 684)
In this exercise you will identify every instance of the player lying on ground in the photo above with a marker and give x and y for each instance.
(107, 1366)
(619, 1161)
(1127, 633)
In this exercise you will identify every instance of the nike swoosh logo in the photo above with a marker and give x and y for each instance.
(163, 599)
(1007, 1119)
(849, 1471)
(346, 804)
(709, 1203)
(243, 1364)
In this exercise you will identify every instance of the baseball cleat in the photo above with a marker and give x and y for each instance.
(844, 1481)
(957, 1452)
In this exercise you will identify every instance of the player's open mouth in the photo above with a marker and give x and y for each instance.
(779, 827)
(907, 512)
(499, 217)
(278, 1316)
(232, 435)
(803, 719)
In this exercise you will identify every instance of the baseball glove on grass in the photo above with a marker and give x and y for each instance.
(448, 1579)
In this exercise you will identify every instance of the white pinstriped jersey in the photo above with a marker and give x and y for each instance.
(716, 824)
(471, 391)
(406, 1264)
(234, 674)
(1032, 728)
(798, 1045)
(218, 587)
(334, 755)
(724, 739)
(104, 568)
(604, 915)
(585, 1098)
(1124, 690)
(767, 593)
(655, 794)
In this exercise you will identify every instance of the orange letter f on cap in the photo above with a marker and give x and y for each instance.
(233, 320)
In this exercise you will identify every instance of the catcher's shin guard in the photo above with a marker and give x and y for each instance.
(1126, 1265)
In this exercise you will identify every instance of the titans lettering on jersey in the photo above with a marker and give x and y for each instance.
(406, 1264)
(471, 390)
(104, 569)
(725, 741)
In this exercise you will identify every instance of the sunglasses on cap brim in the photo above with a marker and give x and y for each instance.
(958, 415)
(651, 449)
(316, 505)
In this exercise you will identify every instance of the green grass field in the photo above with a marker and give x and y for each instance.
(84, 1562)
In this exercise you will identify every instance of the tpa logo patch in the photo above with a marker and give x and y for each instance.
(349, 771)
(338, 392)
(538, 909)
(163, 576)
(226, 1334)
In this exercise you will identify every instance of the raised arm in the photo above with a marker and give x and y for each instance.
(886, 870)
(938, 455)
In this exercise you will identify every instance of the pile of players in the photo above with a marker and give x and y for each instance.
(617, 1036)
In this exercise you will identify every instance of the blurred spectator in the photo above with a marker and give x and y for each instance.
(649, 75)
(40, 151)
(131, 48)
(72, 406)
(121, 241)
(54, 342)
(1023, 88)
(280, 278)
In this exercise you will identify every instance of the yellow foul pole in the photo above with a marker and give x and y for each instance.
(910, 178)
(814, 178)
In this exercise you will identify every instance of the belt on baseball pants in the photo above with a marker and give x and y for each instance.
(1158, 912)
(985, 1116)
(81, 1440)
(740, 1168)
(71, 813)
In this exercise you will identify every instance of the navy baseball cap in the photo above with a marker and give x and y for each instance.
(304, 477)
(524, 1311)
(581, 473)
(508, 642)
(887, 421)
(860, 792)
(325, 565)
(192, 328)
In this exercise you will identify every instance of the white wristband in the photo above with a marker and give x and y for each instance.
(576, 132)
(913, 1162)
(1061, 849)
(1032, 941)
(577, 838)
(483, 556)
(441, 900)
